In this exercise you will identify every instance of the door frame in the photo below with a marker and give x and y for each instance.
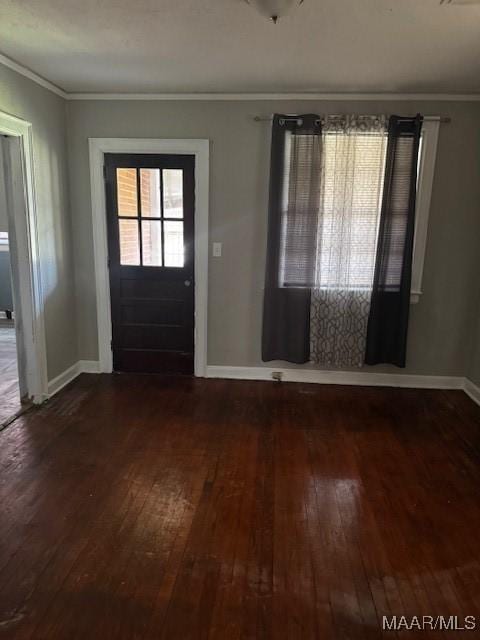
(25, 257)
(196, 147)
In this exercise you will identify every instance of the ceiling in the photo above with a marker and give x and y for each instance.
(185, 46)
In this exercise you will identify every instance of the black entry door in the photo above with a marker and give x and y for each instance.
(150, 214)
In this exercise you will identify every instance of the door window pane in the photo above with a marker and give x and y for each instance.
(127, 192)
(152, 243)
(129, 245)
(173, 193)
(150, 193)
(173, 243)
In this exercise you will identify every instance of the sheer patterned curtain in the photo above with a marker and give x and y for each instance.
(354, 151)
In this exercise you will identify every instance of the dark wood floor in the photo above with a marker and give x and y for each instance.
(138, 507)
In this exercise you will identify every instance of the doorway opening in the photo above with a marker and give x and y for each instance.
(10, 394)
(10, 404)
(23, 366)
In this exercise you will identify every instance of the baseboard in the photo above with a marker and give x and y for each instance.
(89, 366)
(315, 376)
(82, 366)
(472, 390)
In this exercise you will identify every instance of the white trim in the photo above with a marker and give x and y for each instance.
(200, 149)
(63, 379)
(31, 75)
(89, 366)
(313, 376)
(426, 171)
(60, 381)
(27, 248)
(317, 376)
(236, 97)
(306, 95)
(472, 390)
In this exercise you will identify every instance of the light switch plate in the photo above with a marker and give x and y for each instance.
(217, 250)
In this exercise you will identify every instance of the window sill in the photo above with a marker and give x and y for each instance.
(415, 297)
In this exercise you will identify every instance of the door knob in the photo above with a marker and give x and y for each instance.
(187, 283)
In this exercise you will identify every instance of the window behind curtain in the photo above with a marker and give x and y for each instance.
(350, 205)
(299, 203)
(349, 198)
(398, 220)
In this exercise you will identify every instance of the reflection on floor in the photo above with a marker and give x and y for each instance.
(149, 508)
(9, 391)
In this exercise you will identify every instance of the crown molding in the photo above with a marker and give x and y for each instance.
(236, 97)
(31, 75)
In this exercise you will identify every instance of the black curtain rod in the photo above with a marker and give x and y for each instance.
(442, 119)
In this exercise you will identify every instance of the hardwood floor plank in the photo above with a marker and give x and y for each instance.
(147, 507)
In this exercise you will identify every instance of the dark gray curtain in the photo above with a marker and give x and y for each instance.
(295, 170)
(390, 303)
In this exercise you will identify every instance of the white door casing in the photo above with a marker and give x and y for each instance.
(198, 148)
(18, 166)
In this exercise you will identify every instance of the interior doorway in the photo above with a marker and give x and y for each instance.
(23, 364)
(10, 403)
(10, 395)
